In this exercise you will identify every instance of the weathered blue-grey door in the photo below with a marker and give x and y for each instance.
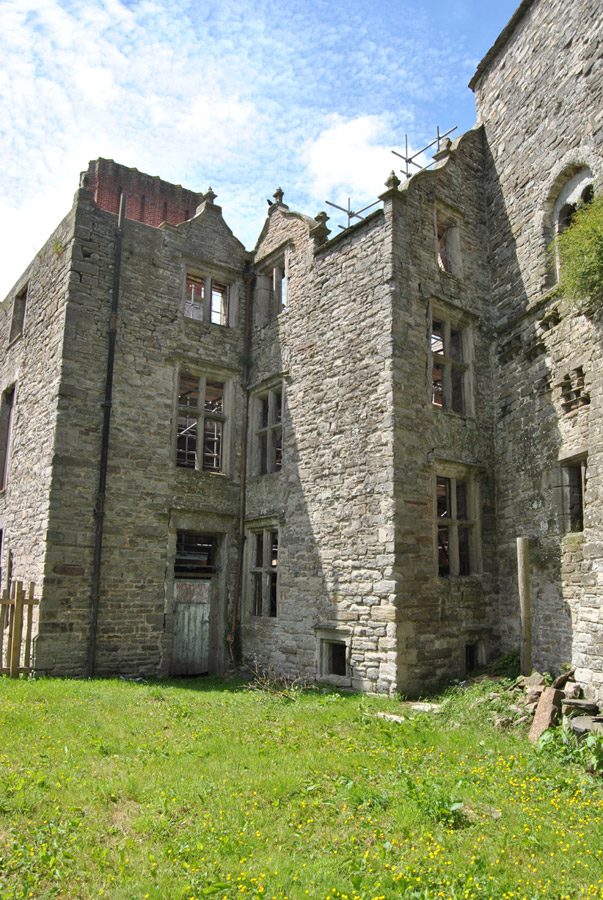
(192, 603)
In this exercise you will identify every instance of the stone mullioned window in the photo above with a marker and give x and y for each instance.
(457, 522)
(264, 571)
(201, 423)
(573, 489)
(206, 299)
(268, 450)
(449, 345)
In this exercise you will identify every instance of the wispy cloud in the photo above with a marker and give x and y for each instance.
(240, 94)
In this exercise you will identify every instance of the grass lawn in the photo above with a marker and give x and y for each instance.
(203, 788)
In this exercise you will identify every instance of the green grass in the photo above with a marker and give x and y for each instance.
(205, 789)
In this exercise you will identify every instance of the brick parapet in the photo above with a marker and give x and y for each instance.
(149, 199)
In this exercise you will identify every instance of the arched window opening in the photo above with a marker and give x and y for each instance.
(575, 192)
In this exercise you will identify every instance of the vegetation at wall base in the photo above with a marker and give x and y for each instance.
(201, 788)
(580, 253)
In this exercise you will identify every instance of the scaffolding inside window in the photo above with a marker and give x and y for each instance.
(194, 420)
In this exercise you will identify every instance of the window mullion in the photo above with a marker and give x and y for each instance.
(207, 299)
(201, 422)
(453, 537)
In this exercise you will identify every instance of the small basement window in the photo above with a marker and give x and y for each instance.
(195, 555)
(470, 657)
(336, 658)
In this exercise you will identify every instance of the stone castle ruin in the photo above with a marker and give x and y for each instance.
(329, 445)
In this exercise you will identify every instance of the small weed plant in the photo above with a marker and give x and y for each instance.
(580, 253)
(583, 751)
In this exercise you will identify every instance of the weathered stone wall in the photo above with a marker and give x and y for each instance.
(32, 364)
(355, 504)
(539, 95)
(148, 498)
(438, 616)
(333, 499)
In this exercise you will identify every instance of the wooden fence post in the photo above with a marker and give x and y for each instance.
(17, 610)
(523, 573)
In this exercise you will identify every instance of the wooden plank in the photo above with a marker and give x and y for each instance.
(11, 627)
(15, 655)
(3, 625)
(28, 630)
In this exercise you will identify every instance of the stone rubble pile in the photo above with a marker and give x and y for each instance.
(548, 705)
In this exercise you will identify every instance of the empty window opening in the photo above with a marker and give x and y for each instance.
(272, 290)
(194, 299)
(443, 259)
(195, 555)
(264, 573)
(142, 205)
(6, 417)
(195, 419)
(269, 432)
(448, 245)
(471, 657)
(576, 191)
(278, 289)
(455, 527)
(165, 211)
(206, 300)
(449, 369)
(219, 304)
(18, 317)
(574, 487)
(568, 210)
(336, 658)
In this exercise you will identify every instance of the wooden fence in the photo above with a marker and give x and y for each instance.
(16, 621)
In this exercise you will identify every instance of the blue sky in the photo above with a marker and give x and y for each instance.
(242, 95)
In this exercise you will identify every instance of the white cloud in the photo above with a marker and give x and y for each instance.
(240, 94)
(349, 157)
(352, 159)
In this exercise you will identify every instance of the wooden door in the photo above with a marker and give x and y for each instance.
(192, 603)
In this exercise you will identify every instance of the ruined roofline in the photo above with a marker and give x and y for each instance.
(150, 199)
(501, 41)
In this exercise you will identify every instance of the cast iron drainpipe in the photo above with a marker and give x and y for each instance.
(99, 509)
(249, 279)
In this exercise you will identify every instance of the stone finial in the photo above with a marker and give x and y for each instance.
(320, 232)
(444, 151)
(278, 196)
(210, 196)
(393, 181)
